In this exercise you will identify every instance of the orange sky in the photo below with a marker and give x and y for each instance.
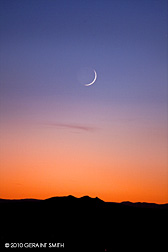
(116, 161)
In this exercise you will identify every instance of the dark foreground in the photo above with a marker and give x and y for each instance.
(82, 224)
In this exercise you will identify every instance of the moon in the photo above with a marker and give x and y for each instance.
(91, 83)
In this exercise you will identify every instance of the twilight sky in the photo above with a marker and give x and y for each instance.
(59, 137)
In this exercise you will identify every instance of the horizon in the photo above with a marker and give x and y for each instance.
(80, 197)
(60, 137)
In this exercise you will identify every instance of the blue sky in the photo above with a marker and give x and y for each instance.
(44, 44)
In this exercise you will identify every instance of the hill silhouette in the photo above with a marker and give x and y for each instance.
(83, 224)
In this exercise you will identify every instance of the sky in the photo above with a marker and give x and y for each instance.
(59, 137)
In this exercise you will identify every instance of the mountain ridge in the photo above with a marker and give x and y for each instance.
(83, 224)
(90, 199)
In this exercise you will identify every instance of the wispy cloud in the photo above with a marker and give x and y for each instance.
(71, 126)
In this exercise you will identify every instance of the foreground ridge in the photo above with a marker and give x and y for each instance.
(90, 199)
(83, 224)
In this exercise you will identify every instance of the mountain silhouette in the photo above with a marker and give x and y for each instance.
(83, 224)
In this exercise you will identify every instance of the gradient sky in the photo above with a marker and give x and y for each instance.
(59, 137)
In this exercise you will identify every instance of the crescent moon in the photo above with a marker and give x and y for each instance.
(91, 83)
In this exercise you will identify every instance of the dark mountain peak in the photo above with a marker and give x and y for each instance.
(86, 197)
(89, 200)
(71, 197)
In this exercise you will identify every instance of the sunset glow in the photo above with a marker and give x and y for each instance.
(109, 140)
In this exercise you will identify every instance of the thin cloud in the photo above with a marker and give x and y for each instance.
(71, 126)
